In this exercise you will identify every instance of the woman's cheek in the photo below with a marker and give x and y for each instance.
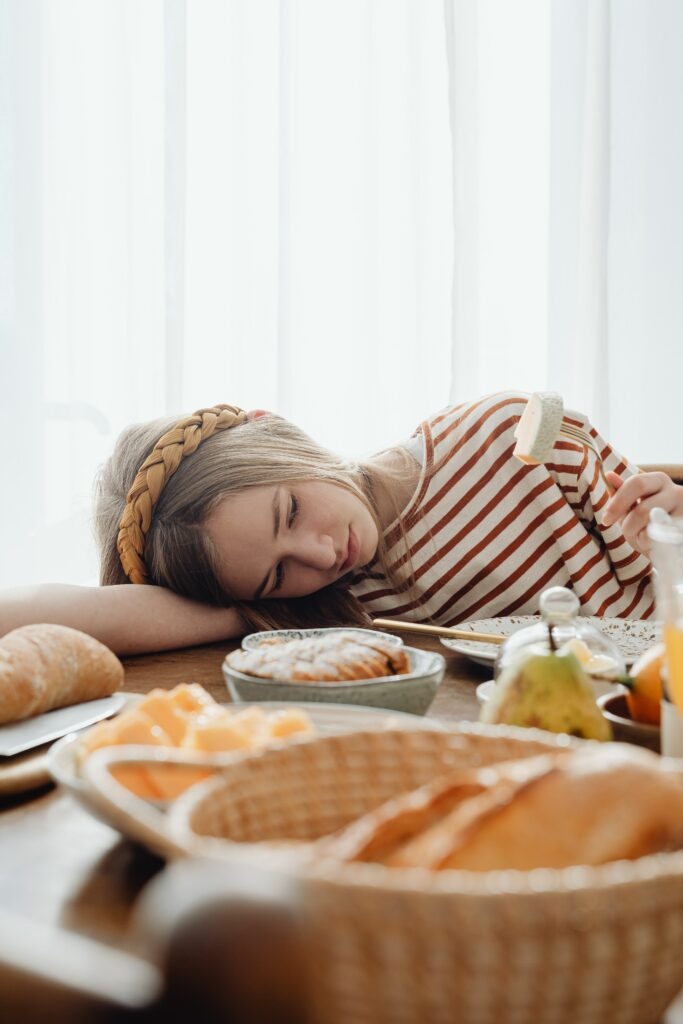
(305, 584)
(369, 548)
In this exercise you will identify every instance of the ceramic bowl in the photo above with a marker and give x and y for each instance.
(412, 692)
(615, 710)
(253, 640)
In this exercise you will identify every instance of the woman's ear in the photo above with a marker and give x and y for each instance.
(255, 414)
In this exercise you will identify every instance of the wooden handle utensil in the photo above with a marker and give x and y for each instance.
(452, 634)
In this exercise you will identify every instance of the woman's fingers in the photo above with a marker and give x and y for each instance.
(635, 523)
(635, 498)
(631, 492)
(642, 543)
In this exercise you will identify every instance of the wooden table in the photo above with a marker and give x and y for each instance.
(60, 867)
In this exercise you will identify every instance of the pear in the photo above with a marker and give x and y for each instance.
(547, 691)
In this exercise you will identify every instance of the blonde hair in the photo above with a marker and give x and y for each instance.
(178, 551)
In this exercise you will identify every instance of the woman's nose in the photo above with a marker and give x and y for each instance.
(316, 551)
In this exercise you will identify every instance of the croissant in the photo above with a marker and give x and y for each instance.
(43, 667)
(588, 806)
(329, 658)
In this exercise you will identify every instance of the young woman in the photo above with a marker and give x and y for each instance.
(228, 521)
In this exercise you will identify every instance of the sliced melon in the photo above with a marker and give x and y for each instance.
(290, 722)
(171, 780)
(138, 728)
(191, 697)
(162, 709)
(187, 717)
(218, 733)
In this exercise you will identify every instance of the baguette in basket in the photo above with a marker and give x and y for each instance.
(588, 806)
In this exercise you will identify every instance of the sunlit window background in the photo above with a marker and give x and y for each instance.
(348, 212)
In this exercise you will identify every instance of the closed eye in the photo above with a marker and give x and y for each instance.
(294, 508)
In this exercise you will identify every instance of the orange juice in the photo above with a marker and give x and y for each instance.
(673, 639)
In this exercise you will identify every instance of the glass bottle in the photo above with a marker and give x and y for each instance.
(666, 539)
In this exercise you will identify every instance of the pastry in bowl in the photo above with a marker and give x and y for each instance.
(338, 666)
(332, 658)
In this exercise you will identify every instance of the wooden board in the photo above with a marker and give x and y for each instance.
(24, 772)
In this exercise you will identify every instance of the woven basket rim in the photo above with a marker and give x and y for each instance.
(538, 883)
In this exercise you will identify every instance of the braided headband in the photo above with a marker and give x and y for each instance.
(169, 451)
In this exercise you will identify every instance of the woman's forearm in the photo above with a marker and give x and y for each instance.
(128, 619)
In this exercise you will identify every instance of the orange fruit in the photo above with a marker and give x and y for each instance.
(644, 687)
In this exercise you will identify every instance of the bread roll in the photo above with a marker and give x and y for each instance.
(44, 667)
(589, 806)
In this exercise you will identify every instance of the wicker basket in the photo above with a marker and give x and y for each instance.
(581, 945)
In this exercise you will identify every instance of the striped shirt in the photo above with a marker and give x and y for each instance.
(487, 534)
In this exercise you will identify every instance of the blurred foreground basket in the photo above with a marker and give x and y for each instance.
(581, 945)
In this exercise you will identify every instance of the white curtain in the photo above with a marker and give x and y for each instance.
(568, 208)
(347, 212)
(206, 201)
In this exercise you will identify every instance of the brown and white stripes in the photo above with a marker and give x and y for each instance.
(488, 534)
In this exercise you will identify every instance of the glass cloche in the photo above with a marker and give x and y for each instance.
(559, 607)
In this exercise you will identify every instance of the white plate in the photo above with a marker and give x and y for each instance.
(632, 636)
(485, 690)
(328, 719)
(411, 693)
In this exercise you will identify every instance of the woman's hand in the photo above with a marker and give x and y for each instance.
(630, 505)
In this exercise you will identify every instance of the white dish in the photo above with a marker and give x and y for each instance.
(328, 719)
(411, 693)
(632, 636)
(485, 690)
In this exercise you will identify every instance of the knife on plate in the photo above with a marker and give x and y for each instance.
(17, 737)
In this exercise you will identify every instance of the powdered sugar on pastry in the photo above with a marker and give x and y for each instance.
(337, 657)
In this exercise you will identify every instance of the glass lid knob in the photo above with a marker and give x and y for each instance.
(558, 604)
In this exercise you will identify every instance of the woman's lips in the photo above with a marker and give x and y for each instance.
(351, 553)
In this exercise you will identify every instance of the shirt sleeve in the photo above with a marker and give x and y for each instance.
(580, 474)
